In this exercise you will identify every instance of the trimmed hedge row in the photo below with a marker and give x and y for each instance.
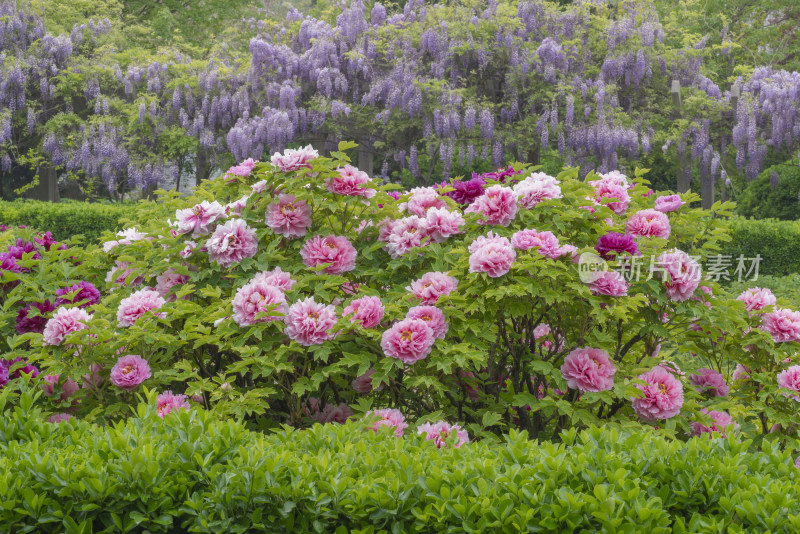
(778, 243)
(192, 473)
(66, 219)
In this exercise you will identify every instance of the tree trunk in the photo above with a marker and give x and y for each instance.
(201, 167)
(47, 190)
(366, 161)
(706, 192)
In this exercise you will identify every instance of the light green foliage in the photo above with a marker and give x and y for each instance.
(193, 473)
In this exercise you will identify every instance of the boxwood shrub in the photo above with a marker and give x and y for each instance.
(776, 241)
(66, 219)
(193, 473)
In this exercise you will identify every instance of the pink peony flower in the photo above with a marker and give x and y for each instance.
(368, 311)
(431, 286)
(756, 298)
(648, 223)
(363, 383)
(497, 205)
(308, 322)
(541, 331)
(710, 381)
(546, 243)
(259, 187)
(258, 297)
(243, 169)
(442, 223)
(235, 208)
(188, 249)
(720, 423)
(421, 200)
(167, 402)
(536, 188)
(409, 340)
(433, 317)
(127, 237)
(289, 217)
(335, 251)
(669, 203)
(294, 159)
(388, 417)
(137, 305)
(197, 220)
(333, 414)
(782, 324)
(683, 274)
(276, 277)
(440, 431)
(588, 369)
(70, 388)
(789, 378)
(492, 255)
(120, 272)
(59, 418)
(610, 283)
(167, 280)
(663, 396)
(405, 234)
(92, 379)
(64, 322)
(231, 243)
(350, 182)
(129, 372)
(740, 373)
(608, 190)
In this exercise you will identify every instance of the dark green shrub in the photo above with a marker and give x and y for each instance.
(192, 473)
(66, 219)
(778, 243)
(761, 200)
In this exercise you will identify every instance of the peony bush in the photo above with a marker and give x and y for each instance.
(301, 290)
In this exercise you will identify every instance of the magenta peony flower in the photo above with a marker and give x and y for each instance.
(28, 322)
(440, 431)
(421, 200)
(69, 388)
(648, 223)
(663, 396)
(612, 244)
(231, 243)
(721, 422)
(127, 237)
(350, 182)
(536, 188)
(782, 324)
(405, 234)
(336, 251)
(789, 378)
(294, 159)
(308, 322)
(197, 220)
(433, 317)
(492, 255)
(669, 203)
(46, 240)
(363, 383)
(431, 286)
(333, 413)
(83, 293)
(442, 223)
(5, 378)
(289, 217)
(276, 277)
(756, 298)
(168, 402)
(26, 369)
(138, 304)
(497, 205)
(167, 280)
(710, 381)
(368, 311)
(610, 283)
(257, 297)
(465, 192)
(129, 372)
(59, 418)
(588, 369)
(388, 417)
(683, 274)
(64, 322)
(409, 340)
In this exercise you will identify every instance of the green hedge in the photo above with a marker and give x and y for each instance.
(761, 200)
(778, 243)
(191, 473)
(66, 219)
